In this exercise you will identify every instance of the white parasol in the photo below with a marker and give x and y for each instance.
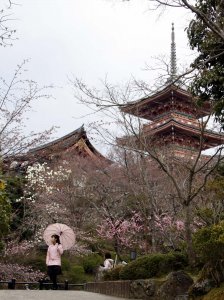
(66, 234)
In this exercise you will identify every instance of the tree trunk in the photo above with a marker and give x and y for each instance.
(117, 250)
(188, 235)
(154, 235)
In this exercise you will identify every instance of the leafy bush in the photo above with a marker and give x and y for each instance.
(113, 274)
(153, 265)
(208, 242)
(91, 262)
(77, 274)
(38, 262)
(5, 211)
(66, 263)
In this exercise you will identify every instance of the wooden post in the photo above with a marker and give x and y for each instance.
(12, 284)
(41, 285)
(66, 285)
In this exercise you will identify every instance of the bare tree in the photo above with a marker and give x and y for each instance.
(187, 176)
(7, 34)
(16, 97)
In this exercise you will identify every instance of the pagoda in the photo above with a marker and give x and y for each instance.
(175, 118)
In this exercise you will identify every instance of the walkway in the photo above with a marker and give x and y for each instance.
(52, 295)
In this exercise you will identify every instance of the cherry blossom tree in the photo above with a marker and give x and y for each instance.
(56, 193)
(19, 272)
(41, 206)
(123, 233)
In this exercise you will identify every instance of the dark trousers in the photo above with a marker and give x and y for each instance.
(53, 271)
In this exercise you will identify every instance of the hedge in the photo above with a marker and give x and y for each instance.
(153, 265)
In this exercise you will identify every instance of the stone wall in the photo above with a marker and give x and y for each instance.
(174, 287)
(112, 288)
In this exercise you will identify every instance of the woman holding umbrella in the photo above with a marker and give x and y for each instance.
(53, 259)
(59, 237)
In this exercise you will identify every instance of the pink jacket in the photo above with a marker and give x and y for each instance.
(54, 253)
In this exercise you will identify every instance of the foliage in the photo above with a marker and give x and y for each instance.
(209, 242)
(5, 210)
(72, 268)
(113, 274)
(206, 214)
(77, 274)
(217, 187)
(209, 82)
(214, 294)
(213, 211)
(153, 265)
(14, 187)
(91, 262)
(14, 191)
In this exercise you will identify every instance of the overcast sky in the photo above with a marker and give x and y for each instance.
(88, 39)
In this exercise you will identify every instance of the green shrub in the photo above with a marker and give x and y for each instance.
(113, 274)
(91, 262)
(208, 242)
(66, 263)
(153, 265)
(35, 259)
(5, 212)
(77, 274)
(38, 263)
(2, 246)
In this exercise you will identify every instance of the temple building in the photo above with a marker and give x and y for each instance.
(73, 145)
(175, 118)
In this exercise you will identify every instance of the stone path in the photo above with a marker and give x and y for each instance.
(52, 295)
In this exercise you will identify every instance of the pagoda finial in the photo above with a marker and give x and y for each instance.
(173, 59)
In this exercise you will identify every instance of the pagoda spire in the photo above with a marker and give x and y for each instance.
(173, 57)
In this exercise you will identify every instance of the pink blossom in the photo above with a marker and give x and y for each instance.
(121, 230)
(19, 272)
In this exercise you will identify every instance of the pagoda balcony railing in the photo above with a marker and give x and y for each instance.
(153, 125)
(188, 115)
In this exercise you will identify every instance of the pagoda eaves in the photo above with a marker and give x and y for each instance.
(170, 98)
(177, 132)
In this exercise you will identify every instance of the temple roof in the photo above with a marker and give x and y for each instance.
(66, 142)
(141, 108)
(74, 144)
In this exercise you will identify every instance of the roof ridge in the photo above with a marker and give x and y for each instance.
(79, 130)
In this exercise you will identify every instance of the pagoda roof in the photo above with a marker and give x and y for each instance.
(141, 107)
(214, 139)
